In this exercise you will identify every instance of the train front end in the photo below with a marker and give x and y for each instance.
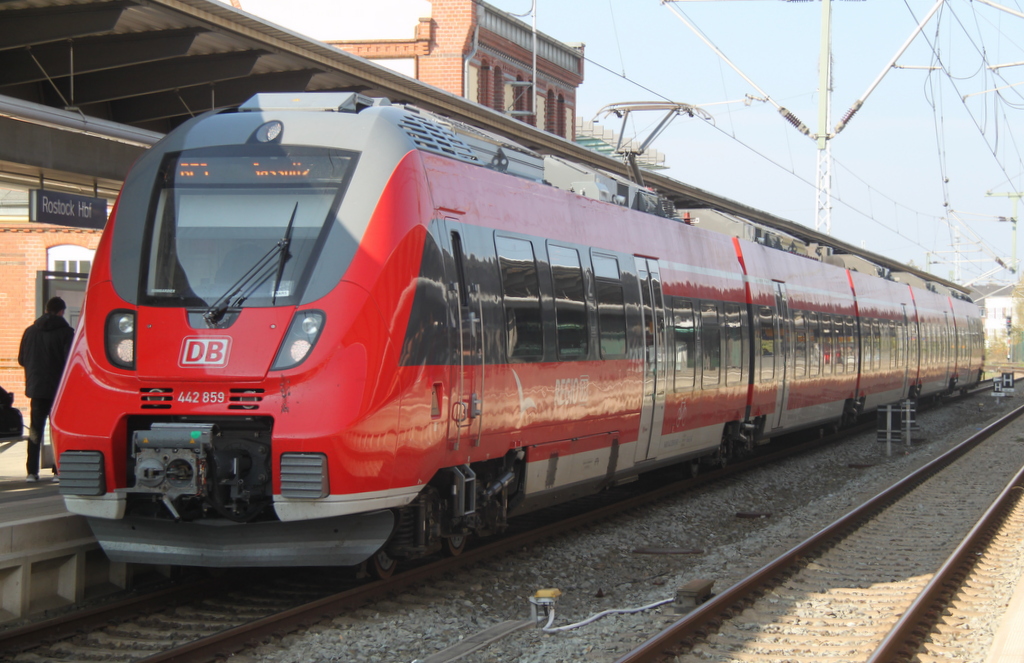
(231, 346)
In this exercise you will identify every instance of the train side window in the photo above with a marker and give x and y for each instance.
(734, 345)
(900, 340)
(711, 344)
(838, 346)
(521, 288)
(835, 340)
(876, 345)
(883, 344)
(685, 345)
(799, 345)
(890, 344)
(813, 346)
(611, 318)
(767, 334)
(828, 349)
(570, 302)
(851, 345)
(867, 344)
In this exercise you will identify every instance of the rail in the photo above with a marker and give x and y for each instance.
(713, 613)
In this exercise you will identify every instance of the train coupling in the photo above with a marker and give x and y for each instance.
(170, 459)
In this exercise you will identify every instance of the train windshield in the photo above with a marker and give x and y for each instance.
(241, 225)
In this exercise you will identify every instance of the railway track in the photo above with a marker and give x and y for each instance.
(211, 628)
(840, 595)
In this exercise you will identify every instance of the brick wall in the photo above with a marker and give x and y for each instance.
(443, 41)
(453, 22)
(22, 253)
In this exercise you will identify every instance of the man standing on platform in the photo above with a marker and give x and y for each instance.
(44, 351)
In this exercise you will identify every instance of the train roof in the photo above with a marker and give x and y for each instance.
(458, 140)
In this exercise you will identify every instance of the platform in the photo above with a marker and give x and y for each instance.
(48, 557)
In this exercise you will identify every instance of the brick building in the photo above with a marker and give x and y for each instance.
(32, 258)
(479, 52)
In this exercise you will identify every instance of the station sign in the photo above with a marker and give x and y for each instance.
(67, 209)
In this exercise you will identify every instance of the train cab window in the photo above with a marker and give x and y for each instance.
(767, 341)
(685, 345)
(611, 310)
(813, 346)
(220, 217)
(799, 345)
(520, 284)
(734, 345)
(570, 303)
(711, 346)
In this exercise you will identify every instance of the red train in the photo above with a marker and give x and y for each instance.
(322, 329)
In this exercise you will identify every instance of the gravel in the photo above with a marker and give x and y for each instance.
(598, 569)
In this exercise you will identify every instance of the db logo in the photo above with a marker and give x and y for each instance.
(205, 351)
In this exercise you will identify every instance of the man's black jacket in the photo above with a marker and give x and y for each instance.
(44, 351)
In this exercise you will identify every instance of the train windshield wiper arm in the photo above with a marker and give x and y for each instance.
(284, 254)
(253, 278)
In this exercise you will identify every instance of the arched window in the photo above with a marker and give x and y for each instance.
(498, 85)
(483, 84)
(550, 110)
(69, 258)
(560, 117)
(522, 93)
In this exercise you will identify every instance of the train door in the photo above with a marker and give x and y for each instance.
(781, 357)
(465, 305)
(652, 411)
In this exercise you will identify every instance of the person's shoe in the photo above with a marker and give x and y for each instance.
(55, 479)
(32, 478)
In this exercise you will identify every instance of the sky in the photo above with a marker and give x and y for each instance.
(912, 168)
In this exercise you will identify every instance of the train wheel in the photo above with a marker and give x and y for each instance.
(724, 453)
(454, 545)
(382, 565)
(694, 468)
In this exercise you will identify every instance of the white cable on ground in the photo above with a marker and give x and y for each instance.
(594, 618)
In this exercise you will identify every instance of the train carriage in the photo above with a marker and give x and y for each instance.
(882, 307)
(321, 328)
(810, 374)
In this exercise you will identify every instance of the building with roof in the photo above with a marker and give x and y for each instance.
(479, 52)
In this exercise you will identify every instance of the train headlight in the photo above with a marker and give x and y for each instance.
(302, 335)
(120, 339)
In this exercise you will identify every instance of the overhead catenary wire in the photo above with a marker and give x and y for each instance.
(775, 163)
(873, 213)
(785, 112)
(955, 222)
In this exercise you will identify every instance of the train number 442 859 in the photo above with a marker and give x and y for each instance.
(201, 397)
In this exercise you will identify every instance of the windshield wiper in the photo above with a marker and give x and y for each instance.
(253, 278)
(284, 254)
